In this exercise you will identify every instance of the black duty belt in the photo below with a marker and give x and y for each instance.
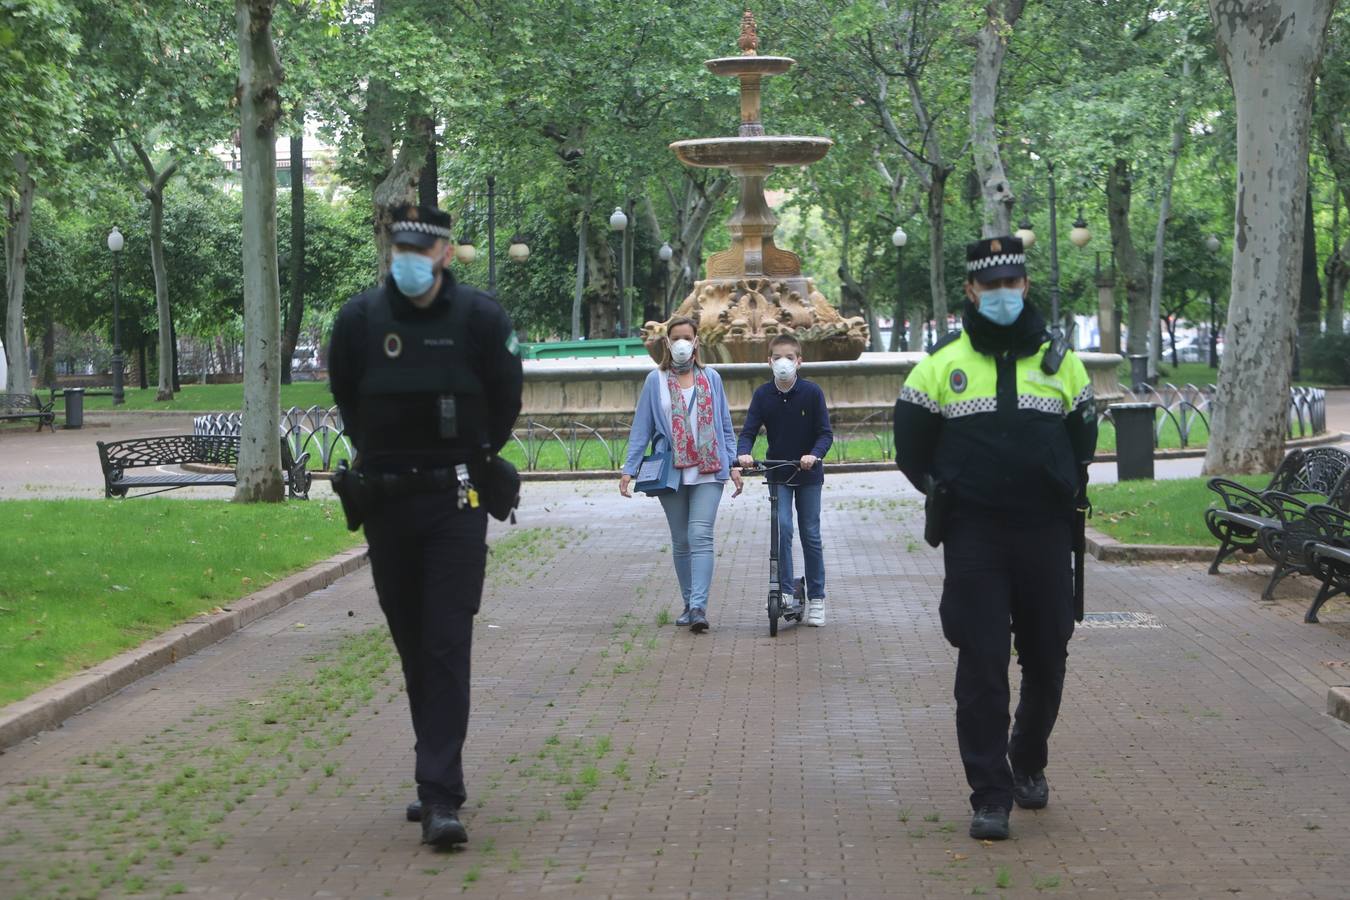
(382, 487)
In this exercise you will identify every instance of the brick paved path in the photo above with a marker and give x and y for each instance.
(610, 756)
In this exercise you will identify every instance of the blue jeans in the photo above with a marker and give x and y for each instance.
(808, 517)
(691, 512)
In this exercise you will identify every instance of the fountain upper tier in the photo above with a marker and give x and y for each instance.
(732, 66)
(762, 151)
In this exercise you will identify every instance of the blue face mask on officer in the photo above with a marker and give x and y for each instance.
(1001, 305)
(413, 273)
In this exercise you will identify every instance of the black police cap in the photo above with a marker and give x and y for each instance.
(419, 226)
(996, 257)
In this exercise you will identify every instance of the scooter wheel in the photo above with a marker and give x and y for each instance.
(775, 610)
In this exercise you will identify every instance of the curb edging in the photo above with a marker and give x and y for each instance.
(52, 705)
(1338, 703)
(1108, 549)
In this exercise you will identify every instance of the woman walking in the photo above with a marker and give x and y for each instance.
(684, 404)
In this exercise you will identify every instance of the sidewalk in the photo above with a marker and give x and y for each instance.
(610, 756)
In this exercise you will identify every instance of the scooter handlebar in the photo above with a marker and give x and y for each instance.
(762, 466)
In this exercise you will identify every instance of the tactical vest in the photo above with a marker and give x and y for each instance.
(1003, 441)
(420, 399)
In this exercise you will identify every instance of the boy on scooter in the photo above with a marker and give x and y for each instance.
(792, 411)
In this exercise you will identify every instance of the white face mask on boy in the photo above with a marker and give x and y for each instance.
(784, 370)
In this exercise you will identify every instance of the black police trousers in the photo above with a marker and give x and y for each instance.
(1006, 582)
(428, 558)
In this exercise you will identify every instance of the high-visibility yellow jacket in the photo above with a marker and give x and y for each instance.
(980, 415)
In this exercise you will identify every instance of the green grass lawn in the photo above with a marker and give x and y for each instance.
(1168, 513)
(552, 456)
(205, 398)
(1198, 374)
(86, 579)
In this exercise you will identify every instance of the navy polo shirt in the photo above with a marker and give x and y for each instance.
(797, 423)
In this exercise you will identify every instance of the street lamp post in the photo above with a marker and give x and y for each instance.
(115, 244)
(665, 254)
(1212, 244)
(1054, 250)
(492, 234)
(899, 239)
(618, 221)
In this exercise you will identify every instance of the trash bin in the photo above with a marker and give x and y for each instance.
(1134, 440)
(74, 407)
(1138, 370)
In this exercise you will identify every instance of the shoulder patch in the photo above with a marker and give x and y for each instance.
(948, 338)
(512, 344)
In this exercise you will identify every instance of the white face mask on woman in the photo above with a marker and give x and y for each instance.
(681, 352)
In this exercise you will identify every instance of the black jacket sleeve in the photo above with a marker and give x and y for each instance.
(916, 436)
(346, 365)
(824, 433)
(1082, 427)
(500, 369)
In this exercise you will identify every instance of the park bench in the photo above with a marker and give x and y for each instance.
(156, 453)
(1287, 541)
(1329, 555)
(1308, 475)
(14, 407)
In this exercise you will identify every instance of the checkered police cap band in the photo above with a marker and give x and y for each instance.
(423, 227)
(998, 259)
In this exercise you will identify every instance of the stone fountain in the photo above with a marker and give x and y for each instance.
(755, 290)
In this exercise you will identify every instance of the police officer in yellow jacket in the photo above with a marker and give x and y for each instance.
(997, 426)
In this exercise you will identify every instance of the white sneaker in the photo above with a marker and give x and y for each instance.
(815, 612)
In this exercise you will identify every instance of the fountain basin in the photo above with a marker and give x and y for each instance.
(749, 65)
(750, 152)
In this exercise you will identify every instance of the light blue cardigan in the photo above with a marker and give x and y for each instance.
(648, 421)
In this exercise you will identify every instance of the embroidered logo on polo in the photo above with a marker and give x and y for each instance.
(393, 345)
(958, 381)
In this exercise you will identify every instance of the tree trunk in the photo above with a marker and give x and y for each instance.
(295, 310)
(260, 75)
(991, 44)
(1338, 274)
(937, 227)
(165, 354)
(18, 231)
(398, 187)
(1310, 292)
(428, 180)
(1118, 196)
(602, 283)
(583, 229)
(1272, 56)
(173, 344)
(154, 192)
(1160, 235)
(47, 371)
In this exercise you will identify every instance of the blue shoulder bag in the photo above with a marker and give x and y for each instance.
(653, 476)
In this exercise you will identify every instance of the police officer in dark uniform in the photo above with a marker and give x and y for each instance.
(996, 425)
(427, 375)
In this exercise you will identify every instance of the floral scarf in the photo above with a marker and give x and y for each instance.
(688, 451)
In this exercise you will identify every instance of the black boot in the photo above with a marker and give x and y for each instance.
(441, 827)
(698, 620)
(1031, 791)
(990, 823)
(414, 811)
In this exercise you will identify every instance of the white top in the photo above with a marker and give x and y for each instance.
(690, 475)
